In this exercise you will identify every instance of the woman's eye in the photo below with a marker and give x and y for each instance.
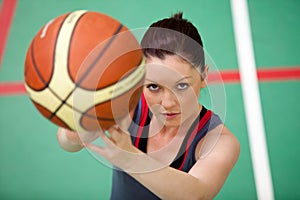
(153, 87)
(182, 86)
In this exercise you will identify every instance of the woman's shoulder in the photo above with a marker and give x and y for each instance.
(217, 135)
(220, 137)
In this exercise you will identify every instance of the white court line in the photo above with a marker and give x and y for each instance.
(249, 83)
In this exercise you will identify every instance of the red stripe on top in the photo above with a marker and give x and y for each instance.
(144, 114)
(196, 130)
(6, 17)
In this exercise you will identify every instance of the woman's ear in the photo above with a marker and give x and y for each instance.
(204, 76)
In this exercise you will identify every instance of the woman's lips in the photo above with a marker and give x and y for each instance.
(170, 115)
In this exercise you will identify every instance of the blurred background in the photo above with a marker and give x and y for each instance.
(33, 166)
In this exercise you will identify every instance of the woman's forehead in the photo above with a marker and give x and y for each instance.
(170, 68)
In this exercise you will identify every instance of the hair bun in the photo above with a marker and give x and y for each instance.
(178, 15)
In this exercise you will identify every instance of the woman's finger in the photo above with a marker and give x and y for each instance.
(107, 138)
(115, 133)
(70, 143)
(88, 136)
(97, 149)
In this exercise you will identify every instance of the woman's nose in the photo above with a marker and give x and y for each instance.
(169, 99)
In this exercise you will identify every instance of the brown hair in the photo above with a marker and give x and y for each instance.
(174, 36)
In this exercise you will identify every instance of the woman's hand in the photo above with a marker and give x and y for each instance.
(118, 149)
(72, 141)
(120, 152)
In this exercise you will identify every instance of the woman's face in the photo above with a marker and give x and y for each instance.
(172, 88)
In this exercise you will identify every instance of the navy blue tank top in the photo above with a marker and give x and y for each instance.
(127, 188)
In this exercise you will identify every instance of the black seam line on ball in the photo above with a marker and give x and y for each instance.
(85, 75)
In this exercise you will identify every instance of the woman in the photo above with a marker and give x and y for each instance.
(174, 148)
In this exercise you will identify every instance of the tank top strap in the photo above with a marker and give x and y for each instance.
(139, 127)
(206, 121)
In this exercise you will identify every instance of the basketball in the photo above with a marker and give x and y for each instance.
(84, 70)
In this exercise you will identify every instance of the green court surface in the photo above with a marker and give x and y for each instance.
(33, 166)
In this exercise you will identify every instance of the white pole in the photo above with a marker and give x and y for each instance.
(249, 83)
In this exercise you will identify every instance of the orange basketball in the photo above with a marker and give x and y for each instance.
(84, 70)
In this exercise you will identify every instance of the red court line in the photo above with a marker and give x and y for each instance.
(7, 11)
(263, 75)
(12, 88)
(227, 76)
(291, 73)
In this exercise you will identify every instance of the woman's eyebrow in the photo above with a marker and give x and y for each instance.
(150, 80)
(186, 77)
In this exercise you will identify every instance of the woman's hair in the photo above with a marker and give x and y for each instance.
(174, 36)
